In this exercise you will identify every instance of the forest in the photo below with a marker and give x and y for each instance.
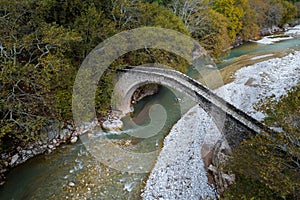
(43, 43)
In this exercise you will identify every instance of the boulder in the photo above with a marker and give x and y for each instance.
(74, 139)
(71, 184)
(14, 159)
(112, 125)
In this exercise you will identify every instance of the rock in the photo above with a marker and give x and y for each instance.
(144, 91)
(212, 169)
(76, 133)
(34, 151)
(54, 141)
(50, 146)
(69, 127)
(74, 139)
(71, 184)
(221, 178)
(52, 134)
(4, 156)
(61, 136)
(64, 133)
(90, 135)
(68, 135)
(112, 125)
(14, 159)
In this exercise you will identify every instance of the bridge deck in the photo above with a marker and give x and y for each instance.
(225, 115)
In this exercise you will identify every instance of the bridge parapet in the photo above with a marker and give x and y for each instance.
(235, 124)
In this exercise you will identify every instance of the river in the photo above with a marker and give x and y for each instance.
(72, 172)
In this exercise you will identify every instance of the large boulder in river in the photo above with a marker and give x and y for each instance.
(112, 123)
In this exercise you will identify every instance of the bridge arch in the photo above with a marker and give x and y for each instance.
(233, 123)
(128, 83)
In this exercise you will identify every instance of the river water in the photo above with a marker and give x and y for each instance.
(72, 172)
(253, 48)
(49, 176)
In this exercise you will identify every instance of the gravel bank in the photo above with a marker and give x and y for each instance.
(179, 172)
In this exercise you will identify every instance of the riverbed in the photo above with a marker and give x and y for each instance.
(72, 172)
(174, 173)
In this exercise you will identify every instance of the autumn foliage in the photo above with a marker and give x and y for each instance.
(268, 166)
(42, 45)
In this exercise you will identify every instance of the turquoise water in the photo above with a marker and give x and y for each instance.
(256, 48)
(48, 176)
(250, 48)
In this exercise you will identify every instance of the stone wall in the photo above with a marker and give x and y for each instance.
(234, 124)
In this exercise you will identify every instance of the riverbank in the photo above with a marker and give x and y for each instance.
(70, 136)
(55, 136)
(250, 59)
(179, 172)
(195, 130)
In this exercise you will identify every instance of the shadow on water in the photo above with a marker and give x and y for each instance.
(48, 176)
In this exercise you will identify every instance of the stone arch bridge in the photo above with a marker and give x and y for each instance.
(233, 123)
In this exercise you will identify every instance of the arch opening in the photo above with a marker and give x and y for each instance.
(143, 91)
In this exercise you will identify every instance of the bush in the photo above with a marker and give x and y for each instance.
(268, 166)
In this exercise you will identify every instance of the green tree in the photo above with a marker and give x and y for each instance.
(160, 2)
(268, 166)
(234, 12)
(273, 12)
(261, 9)
(205, 24)
(289, 12)
(125, 16)
(213, 34)
(37, 76)
(42, 44)
(250, 26)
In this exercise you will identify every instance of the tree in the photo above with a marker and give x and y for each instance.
(261, 8)
(127, 15)
(233, 12)
(160, 2)
(36, 74)
(249, 22)
(268, 166)
(273, 12)
(191, 12)
(205, 24)
(42, 45)
(289, 12)
(213, 34)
